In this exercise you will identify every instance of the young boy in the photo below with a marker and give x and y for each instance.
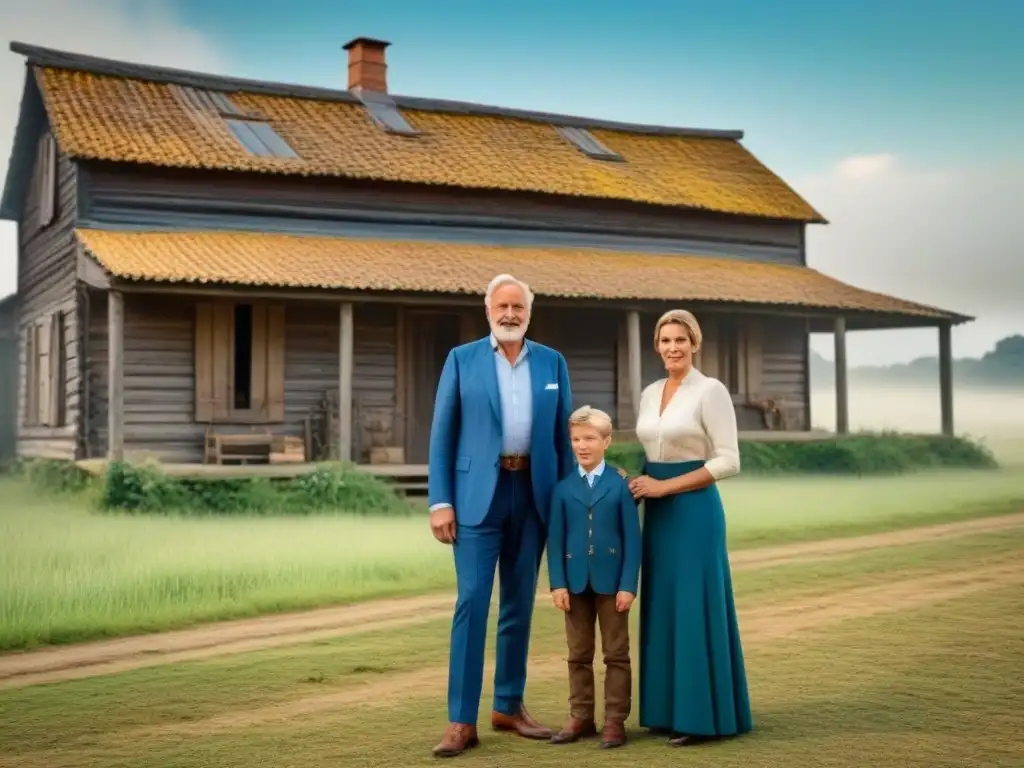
(594, 565)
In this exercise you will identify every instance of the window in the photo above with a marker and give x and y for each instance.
(239, 362)
(46, 173)
(252, 131)
(44, 372)
(385, 114)
(260, 139)
(586, 143)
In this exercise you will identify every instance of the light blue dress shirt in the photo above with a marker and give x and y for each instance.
(593, 474)
(516, 392)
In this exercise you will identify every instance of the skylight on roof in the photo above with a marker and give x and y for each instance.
(260, 139)
(385, 114)
(586, 143)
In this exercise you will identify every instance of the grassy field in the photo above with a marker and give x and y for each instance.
(70, 574)
(908, 656)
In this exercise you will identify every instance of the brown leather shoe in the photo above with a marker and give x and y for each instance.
(457, 739)
(523, 724)
(573, 730)
(613, 735)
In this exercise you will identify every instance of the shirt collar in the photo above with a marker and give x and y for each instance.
(596, 473)
(522, 353)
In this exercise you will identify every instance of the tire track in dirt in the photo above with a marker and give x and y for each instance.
(74, 662)
(759, 626)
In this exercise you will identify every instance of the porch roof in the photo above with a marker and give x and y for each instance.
(256, 259)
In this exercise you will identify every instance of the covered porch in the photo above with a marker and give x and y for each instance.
(351, 334)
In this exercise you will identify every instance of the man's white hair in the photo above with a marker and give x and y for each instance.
(501, 280)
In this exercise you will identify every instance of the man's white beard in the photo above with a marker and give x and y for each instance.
(508, 333)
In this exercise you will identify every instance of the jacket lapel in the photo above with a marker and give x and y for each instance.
(490, 374)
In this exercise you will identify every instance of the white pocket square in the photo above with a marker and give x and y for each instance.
(552, 385)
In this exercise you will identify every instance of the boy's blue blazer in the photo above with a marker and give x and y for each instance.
(594, 535)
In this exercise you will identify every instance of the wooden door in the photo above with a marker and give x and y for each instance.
(431, 336)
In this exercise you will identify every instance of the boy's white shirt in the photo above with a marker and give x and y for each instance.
(593, 474)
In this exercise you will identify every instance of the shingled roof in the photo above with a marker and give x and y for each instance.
(102, 109)
(256, 259)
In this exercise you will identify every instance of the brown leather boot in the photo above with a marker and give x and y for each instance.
(457, 739)
(523, 724)
(613, 735)
(574, 730)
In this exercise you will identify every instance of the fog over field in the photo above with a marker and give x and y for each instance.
(995, 416)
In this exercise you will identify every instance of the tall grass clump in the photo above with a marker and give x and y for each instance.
(885, 453)
(342, 487)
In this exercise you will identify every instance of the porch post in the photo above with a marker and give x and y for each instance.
(345, 344)
(842, 391)
(946, 376)
(115, 376)
(633, 348)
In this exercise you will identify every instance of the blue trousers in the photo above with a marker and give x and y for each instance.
(511, 539)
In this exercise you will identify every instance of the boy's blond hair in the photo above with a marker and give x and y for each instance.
(592, 417)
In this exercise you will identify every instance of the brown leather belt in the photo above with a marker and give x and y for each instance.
(515, 463)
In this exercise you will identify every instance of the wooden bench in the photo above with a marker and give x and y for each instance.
(253, 448)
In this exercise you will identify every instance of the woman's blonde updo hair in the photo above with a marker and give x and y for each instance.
(684, 318)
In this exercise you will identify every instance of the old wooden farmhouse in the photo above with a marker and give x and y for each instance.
(202, 256)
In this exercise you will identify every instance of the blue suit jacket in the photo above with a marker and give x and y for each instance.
(466, 434)
(594, 535)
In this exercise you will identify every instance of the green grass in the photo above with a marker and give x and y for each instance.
(70, 574)
(933, 686)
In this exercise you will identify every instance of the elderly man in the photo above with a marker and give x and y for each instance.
(498, 445)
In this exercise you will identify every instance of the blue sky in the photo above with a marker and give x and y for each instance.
(807, 82)
(900, 121)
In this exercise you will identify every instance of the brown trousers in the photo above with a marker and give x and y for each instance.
(584, 610)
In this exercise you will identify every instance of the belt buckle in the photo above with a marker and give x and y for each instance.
(513, 463)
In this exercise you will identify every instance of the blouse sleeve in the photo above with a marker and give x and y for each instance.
(719, 418)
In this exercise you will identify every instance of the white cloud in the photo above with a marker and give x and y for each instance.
(952, 238)
(120, 29)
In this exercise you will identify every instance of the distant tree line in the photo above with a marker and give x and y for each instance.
(1003, 366)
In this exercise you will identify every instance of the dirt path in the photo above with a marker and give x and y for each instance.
(759, 626)
(109, 657)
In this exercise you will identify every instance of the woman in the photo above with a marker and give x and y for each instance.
(692, 679)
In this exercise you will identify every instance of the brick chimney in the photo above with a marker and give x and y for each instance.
(367, 65)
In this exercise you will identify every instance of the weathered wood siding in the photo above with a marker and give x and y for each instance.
(159, 369)
(46, 284)
(785, 369)
(588, 340)
(125, 196)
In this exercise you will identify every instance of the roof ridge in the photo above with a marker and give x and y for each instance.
(59, 59)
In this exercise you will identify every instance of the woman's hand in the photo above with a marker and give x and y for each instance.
(646, 487)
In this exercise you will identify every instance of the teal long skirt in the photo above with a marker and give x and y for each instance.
(692, 676)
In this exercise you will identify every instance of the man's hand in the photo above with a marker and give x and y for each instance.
(442, 524)
(623, 601)
(561, 599)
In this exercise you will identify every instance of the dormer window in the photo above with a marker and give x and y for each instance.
(584, 141)
(252, 130)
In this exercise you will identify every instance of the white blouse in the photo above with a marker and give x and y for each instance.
(699, 423)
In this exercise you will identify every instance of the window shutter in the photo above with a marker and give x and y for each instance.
(31, 411)
(55, 371)
(43, 338)
(259, 380)
(275, 363)
(204, 362)
(47, 175)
